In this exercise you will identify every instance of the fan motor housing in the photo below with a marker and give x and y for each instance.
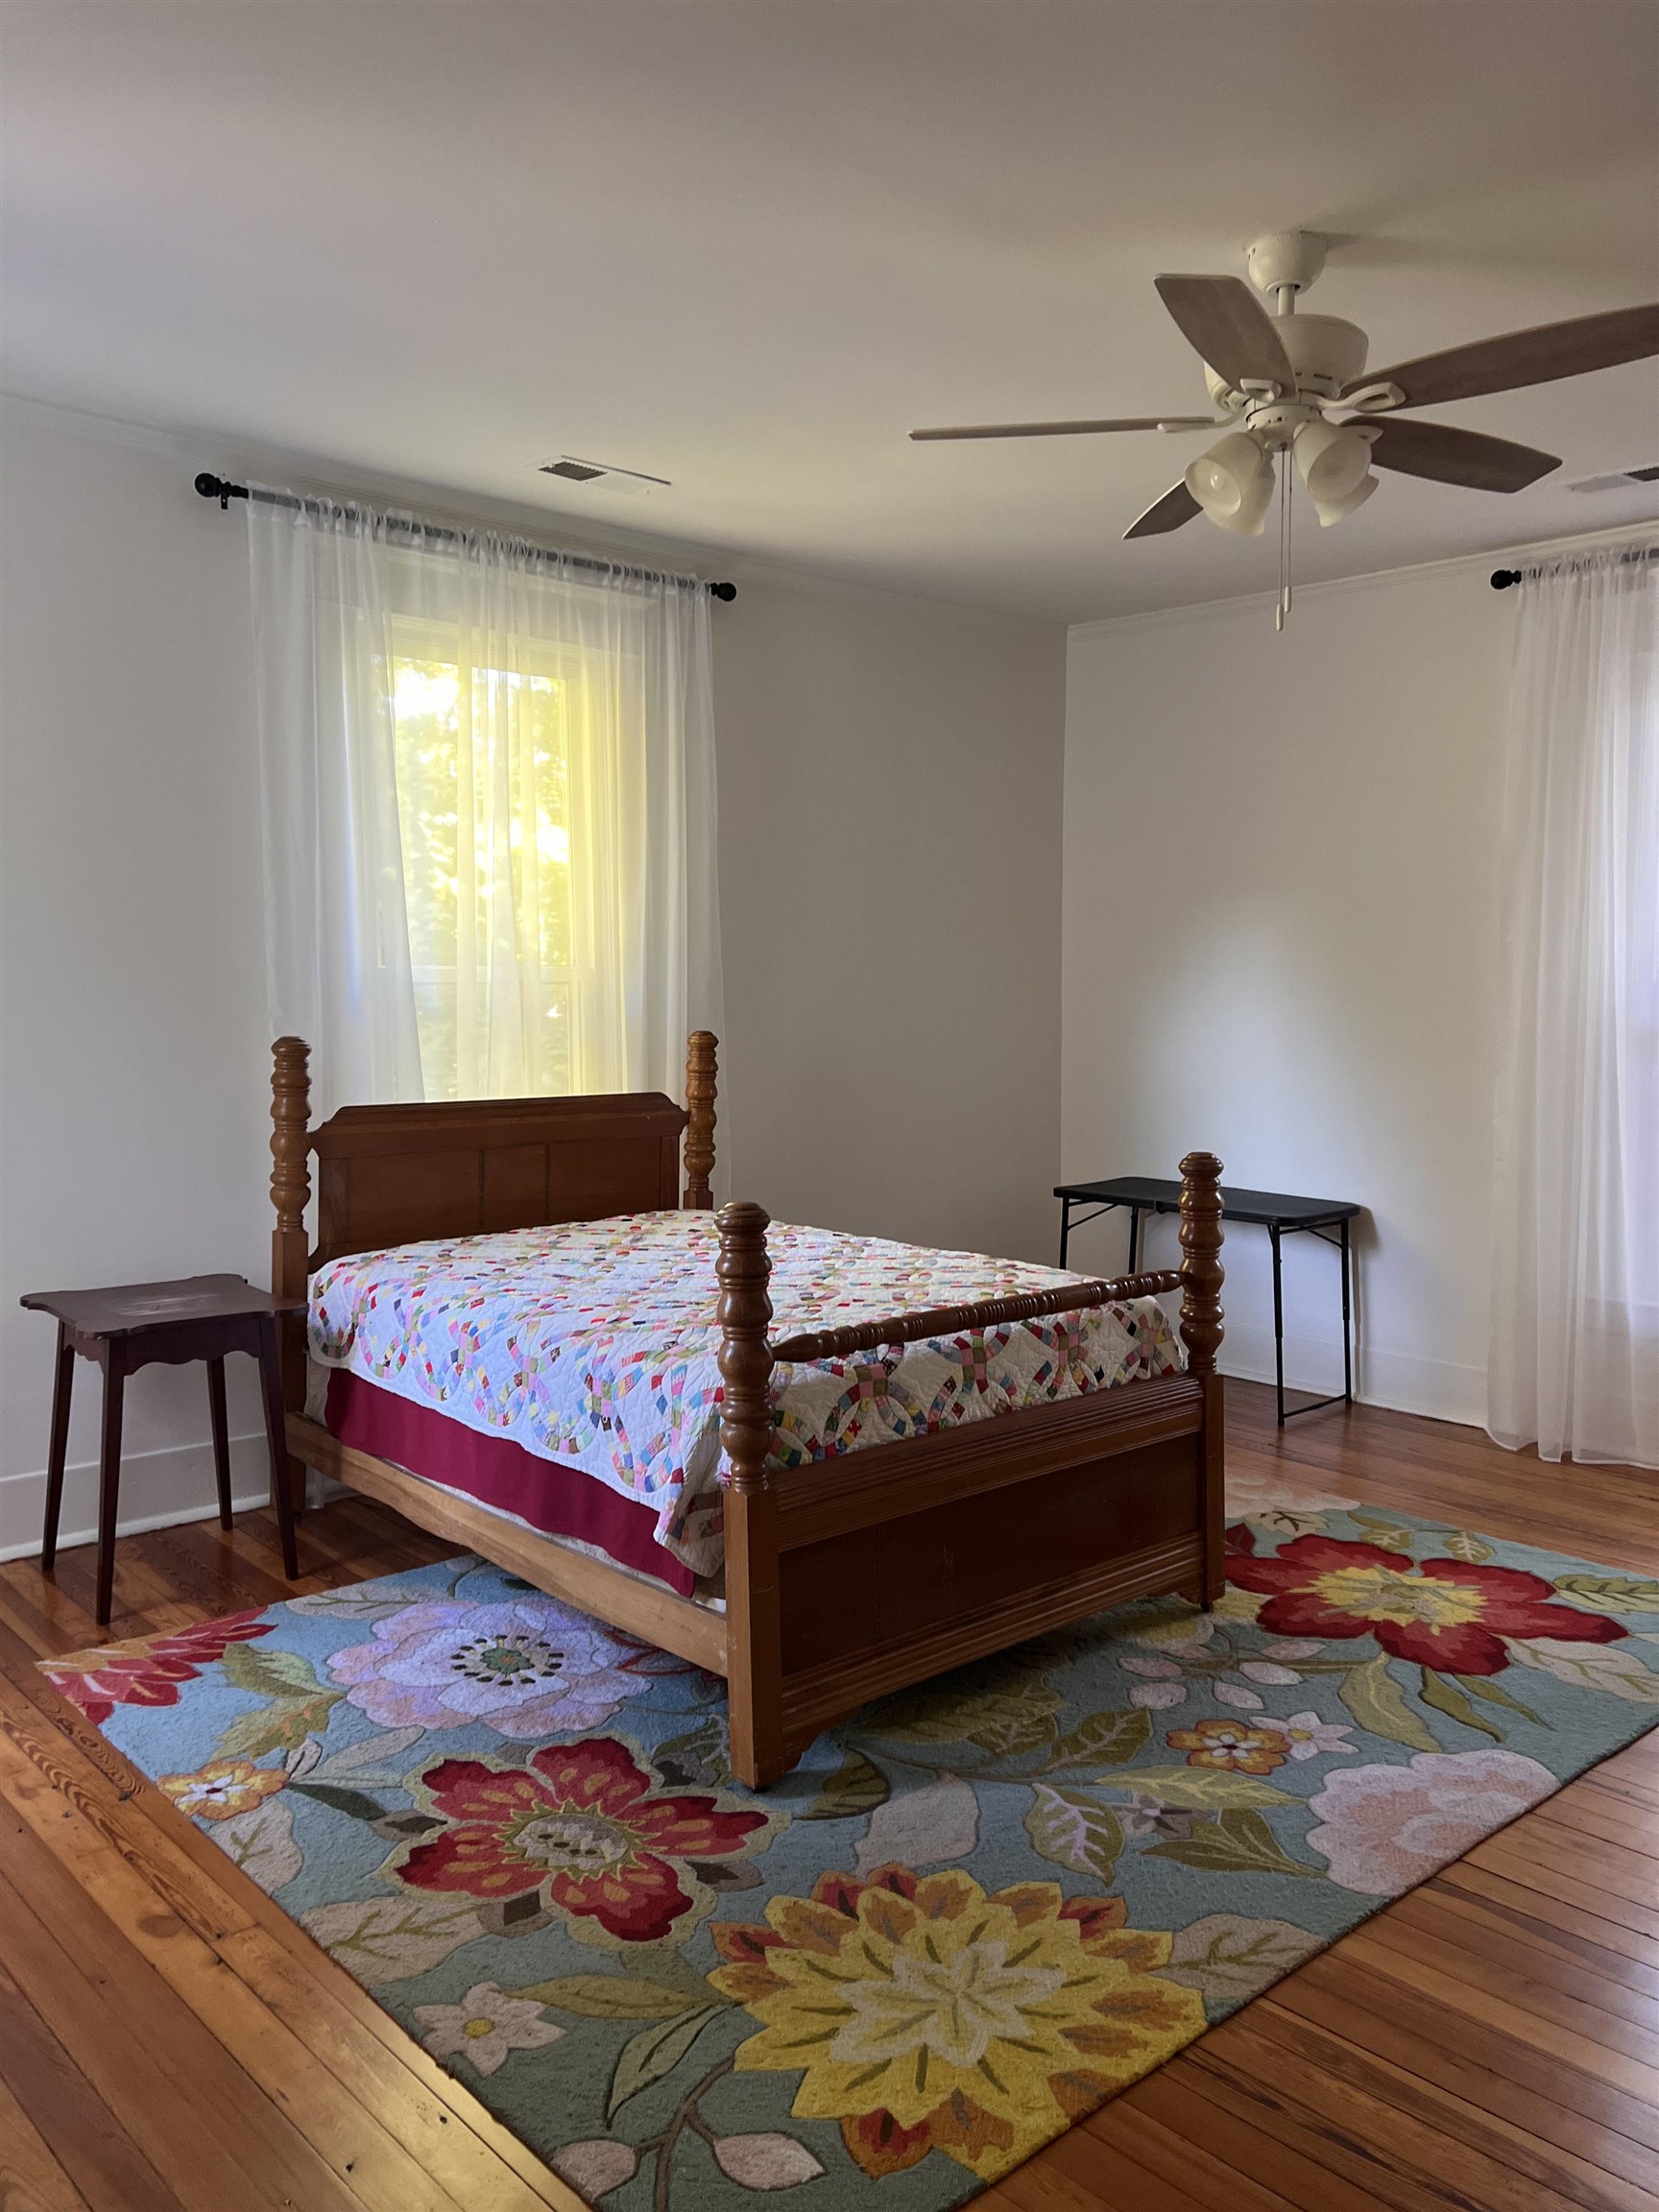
(1327, 354)
(1285, 260)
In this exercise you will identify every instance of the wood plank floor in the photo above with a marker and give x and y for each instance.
(171, 2042)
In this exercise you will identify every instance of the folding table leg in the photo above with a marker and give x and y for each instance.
(1278, 1324)
(1347, 1347)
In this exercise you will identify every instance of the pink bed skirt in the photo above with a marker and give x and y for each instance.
(558, 1500)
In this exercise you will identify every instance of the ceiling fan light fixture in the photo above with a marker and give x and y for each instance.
(1233, 482)
(1331, 511)
(1331, 460)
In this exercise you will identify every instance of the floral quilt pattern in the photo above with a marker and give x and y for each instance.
(594, 1343)
(974, 1911)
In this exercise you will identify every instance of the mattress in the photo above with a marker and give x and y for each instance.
(592, 1346)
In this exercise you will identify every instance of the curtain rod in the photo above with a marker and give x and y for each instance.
(1502, 578)
(212, 487)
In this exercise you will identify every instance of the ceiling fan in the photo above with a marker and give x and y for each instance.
(1298, 384)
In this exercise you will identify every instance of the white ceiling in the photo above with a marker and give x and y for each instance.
(748, 244)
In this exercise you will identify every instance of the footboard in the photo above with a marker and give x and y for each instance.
(861, 1576)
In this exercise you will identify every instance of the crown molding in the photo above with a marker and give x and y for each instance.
(1409, 572)
(236, 457)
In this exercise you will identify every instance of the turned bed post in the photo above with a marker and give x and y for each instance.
(290, 1194)
(699, 1153)
(1201, 1278)
(754, 1642)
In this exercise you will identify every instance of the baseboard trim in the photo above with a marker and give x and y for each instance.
(1400, 1381)
(139, 1525)
(164, 1488)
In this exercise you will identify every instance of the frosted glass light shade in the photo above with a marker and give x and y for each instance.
(1233, 482)
(1331, 511)
(1331, 460)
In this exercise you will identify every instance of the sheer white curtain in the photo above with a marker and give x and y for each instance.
(488, 776)
(1574, 1363)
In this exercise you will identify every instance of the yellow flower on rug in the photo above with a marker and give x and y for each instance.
(925, 2014)
(222, 1788)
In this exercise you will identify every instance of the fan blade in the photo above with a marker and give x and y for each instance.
(1175, 507)
(1524, 357)
(1458, 456)
(1074, 429)
(1223, 320)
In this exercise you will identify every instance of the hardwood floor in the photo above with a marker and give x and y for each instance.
(171, 2042)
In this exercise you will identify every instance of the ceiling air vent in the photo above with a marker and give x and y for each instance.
(1647, 473)
(578, 472)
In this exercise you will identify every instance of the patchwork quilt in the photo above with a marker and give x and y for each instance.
(594, 1343)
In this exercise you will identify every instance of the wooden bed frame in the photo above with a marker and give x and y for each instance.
(846, 1578)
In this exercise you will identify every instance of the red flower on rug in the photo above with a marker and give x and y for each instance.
(583, 1826)
(1439, 1612)
(148, 1670)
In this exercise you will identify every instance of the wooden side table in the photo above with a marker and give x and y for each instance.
(136, 1325)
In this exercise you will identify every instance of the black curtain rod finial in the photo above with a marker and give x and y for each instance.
(216, 488)
(211, 487)
(1502, 578)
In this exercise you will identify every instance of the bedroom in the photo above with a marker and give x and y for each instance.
(1042, 856)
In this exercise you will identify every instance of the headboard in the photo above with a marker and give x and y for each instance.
(393, 1175)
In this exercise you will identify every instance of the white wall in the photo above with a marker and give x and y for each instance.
(1281, 943)
(890, 783)
(890, 898)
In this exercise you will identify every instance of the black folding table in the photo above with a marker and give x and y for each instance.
(1282, 1217)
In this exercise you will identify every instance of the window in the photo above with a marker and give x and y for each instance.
(471, 892)
(488, 777)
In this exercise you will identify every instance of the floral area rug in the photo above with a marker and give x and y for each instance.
(971, 1915)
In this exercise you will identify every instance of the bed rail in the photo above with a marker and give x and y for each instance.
(982, 1313)
(747, 1353)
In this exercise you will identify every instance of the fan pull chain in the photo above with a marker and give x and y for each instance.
(1290, 530)
(1283, 607)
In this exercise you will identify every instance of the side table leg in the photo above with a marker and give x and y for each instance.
(62, 1389)
(276, 1439)
(1278, 1325)
(1065, 1228)
(109, 1475)
(221, 1428)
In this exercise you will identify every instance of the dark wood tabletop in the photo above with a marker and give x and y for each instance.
(128, 1308)
(125, 1327)
(1153, 1193)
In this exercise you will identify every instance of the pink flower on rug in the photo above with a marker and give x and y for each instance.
(1384, 1828)
(528, 1668)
